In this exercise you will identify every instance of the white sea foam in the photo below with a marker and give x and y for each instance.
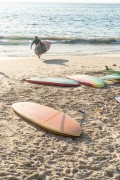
(71, 28)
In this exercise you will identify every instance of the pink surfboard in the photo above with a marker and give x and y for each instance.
(48, 118)
(88, 80)
(42, 49)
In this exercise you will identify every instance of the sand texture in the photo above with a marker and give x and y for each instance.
(28, 152)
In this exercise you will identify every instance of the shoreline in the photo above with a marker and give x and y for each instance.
(50, 55)
(29, 152)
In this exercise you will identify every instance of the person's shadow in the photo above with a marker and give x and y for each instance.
(57, 62)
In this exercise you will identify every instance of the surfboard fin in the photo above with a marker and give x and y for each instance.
(107, 68)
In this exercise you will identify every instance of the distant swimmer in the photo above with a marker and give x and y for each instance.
(36, 41)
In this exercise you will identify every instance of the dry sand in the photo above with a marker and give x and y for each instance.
(28, 152)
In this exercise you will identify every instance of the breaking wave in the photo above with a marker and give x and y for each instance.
(24, 40)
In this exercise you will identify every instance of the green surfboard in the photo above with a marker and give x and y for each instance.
(110, 71)
(111, 77)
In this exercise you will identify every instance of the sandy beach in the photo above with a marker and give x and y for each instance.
(28, 152)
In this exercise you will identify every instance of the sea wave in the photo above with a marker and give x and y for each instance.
(84, 40)
(24, 40)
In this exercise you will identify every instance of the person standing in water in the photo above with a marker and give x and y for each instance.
(36, 41)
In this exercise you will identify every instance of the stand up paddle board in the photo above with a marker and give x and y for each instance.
(48, 118)
(118, 98)
(88, 80)
(42, 49)
(111, 77)
(53, 81)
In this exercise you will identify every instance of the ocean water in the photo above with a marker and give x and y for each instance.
(70, 28)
